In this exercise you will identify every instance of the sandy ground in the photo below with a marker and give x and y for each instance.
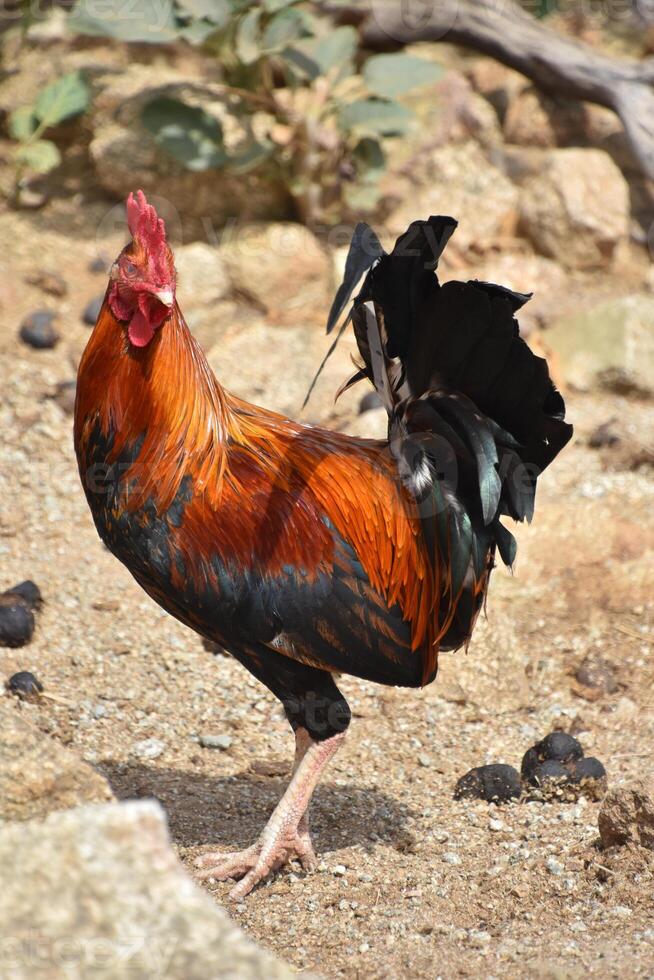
(412, 883)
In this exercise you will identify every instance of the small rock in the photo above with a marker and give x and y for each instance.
(50, 282)
(554, 866)
(369, 401)
(29, 592)
(149, 748)
(30, 198)
(222, 742)
(451, 857)
(627, 815)
(598, 674)
(424, 760)
(25, 685)
(339, 870)
(38, 774)
(494, 783)
(99, 264)
(495, 825)
(211, 647)
(65, 396)
(16, 621)
(604, 435)
(92, 310)
(37, 330)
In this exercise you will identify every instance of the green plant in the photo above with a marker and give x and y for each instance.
(68, 96)
(312, 115)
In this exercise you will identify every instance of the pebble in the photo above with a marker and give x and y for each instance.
(24, 684)
(37, 330)
(364, 947)
(16, 621)
(221, 742)
(339, 870)
(92, 310)
(554, 866)
(29, 592)
(149, 748)
(370, 401)
(495, 825)
(451, 857)
(65, 396)
(49, 282)
(424, 760)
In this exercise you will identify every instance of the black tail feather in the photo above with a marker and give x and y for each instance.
(464, 394)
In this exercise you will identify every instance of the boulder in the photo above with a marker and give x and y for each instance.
(610, 346)
(38, 775)
(126, 155)
(534, 118)
(459, 180)
(496, 83)
(282, 269)
(627, 815)
(203, 288)
(577, 208)
(98, 890)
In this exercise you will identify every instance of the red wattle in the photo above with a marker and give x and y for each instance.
(140, 330)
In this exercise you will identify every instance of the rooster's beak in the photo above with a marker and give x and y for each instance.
(165, 296)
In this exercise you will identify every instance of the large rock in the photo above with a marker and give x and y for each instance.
(126, 155)
(496, 83)
(282, 269)
(536, 119)
(38, 775)
(610, 346)
(203, 289)
(459, 180)
(627, 815)
(99, 891)
(577, 209)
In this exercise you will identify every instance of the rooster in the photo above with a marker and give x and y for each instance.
(303, 552)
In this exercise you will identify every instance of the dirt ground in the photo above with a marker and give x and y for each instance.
(412, 883)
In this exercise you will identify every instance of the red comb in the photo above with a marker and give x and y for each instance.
(144, 223)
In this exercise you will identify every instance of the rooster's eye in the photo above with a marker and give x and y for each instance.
(130, 269)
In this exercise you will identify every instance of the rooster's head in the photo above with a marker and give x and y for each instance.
(142, 288)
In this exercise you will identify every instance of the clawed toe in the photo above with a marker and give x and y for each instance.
(255, 863)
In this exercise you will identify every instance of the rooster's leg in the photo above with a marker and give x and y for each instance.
(286, 835)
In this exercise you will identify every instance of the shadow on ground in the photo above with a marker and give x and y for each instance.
(231, 810)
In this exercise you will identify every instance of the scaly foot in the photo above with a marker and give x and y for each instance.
(255, 863)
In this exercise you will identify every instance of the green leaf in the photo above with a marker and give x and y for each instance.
(390, 75)
(336, 49)
(274, 5)
(374, 117)
(369, 158)
(143, 21)
(249, 158)
(217, 12)
(361, 197)
(40, 156)
(248, 46)
(22, 122)
(188, 134)
(66, 97)
(197, 32)
(283, 28)
(311, 57)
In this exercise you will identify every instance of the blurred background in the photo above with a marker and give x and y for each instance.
(263, 132)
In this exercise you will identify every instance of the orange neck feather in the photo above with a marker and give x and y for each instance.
(165, 393)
